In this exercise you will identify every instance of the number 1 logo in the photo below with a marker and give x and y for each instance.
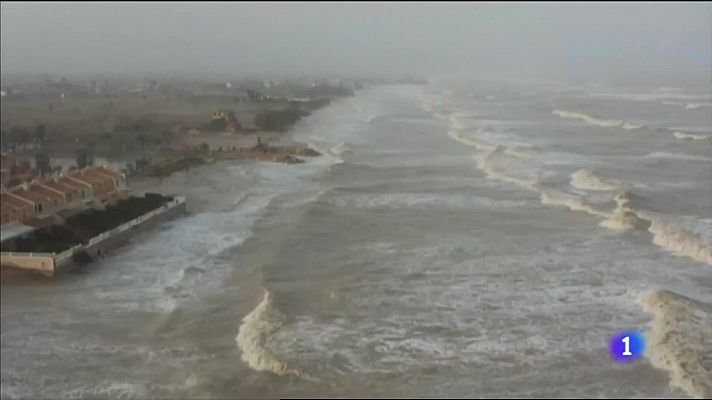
(626, 346)
(626, 341)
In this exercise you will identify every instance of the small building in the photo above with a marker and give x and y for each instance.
(56, 200)
(83, 188)
(103, 181)
(41, 202)
(71, 193)
(37, 199)
(220, 114)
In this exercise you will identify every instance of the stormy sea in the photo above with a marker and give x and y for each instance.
(465, 239)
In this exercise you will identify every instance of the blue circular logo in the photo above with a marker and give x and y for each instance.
(626, 346)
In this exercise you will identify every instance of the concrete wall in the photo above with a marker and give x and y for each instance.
(53, 263)
(107, 240)
(37, 262)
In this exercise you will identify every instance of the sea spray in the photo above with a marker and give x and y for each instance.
(631, 126)
(572, 202)
(679, 340)
(254, 335)
(695, 106)
(519, 152)
(678, 240)
(470, 141)
(586, 180)
(692, 136)
(608, 123)
(491, 171)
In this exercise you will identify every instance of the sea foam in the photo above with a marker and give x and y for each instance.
(679, 340)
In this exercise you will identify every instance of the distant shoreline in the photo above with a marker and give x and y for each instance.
(140, 184)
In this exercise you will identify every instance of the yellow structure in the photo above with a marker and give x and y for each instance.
(220, 114)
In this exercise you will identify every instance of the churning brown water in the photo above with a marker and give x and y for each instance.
(474, 240)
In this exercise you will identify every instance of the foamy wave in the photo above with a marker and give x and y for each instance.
(679, 340)
(456, 121)
(623, 217)
(588, 118)
(608, 123)
(340, 149)
(573, 202)
(488, 166)
(678, 240)
(691, 136)
(586, 180)
(253, 338)
(631, 126)
(519, 152)
(694, 106)
(469, 141)
(548, 197)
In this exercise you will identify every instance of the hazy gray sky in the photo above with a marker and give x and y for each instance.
(479, 39)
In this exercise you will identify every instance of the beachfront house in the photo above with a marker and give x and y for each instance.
(42, 198)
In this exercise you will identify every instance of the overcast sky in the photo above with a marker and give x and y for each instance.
(521, 40)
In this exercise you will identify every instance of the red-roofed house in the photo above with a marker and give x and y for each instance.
(15, 208)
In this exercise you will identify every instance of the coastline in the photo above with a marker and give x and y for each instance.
(140, 184)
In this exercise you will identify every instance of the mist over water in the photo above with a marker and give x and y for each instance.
(481, 235)
(667, 44)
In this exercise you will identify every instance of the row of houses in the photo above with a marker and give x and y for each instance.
(40, 198)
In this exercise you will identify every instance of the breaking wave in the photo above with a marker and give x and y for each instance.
(678, 240)
(694, 106)
(679, 340)
(490, 169)
(254, 335)
(692, 136)
(519, 152)
(588, 118)
(573, 202)
(627, 214)
(340, 149)
(623, 217)
(469, 141)
(607, 123)
(631, 126)
(586, 180)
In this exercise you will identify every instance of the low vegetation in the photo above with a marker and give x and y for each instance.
(170, 166)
